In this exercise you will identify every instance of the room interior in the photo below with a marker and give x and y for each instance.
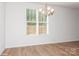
(58, 37)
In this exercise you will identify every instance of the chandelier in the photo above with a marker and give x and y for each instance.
(46, 10)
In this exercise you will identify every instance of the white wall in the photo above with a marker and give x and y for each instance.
(78, 24)
(62, 26)
(2, 34)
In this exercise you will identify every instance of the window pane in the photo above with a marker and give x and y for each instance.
(31, 21)
(42, 18)
(42, 23)
(31, 14)
(31, 28)
(27, 11)
(42, 28)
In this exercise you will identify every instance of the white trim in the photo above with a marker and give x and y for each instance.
(31, 21)
(37, 25)
(1, 51)
(40, 43)
(43, 22)
(47, 26)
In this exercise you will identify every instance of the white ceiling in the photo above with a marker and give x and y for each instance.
(65, 4)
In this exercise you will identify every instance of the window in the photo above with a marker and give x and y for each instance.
(36, 22)
(31, 21)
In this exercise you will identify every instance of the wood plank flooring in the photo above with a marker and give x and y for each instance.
(60, 49)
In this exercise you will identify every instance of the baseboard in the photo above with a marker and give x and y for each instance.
(1, 51)
(52, 42)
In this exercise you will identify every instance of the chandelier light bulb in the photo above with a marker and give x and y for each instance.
(48, 8)
(52, 10)
(40, 9)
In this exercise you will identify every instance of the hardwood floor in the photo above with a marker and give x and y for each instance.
(61, 49)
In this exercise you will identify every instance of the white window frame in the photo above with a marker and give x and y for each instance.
(37, 26)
